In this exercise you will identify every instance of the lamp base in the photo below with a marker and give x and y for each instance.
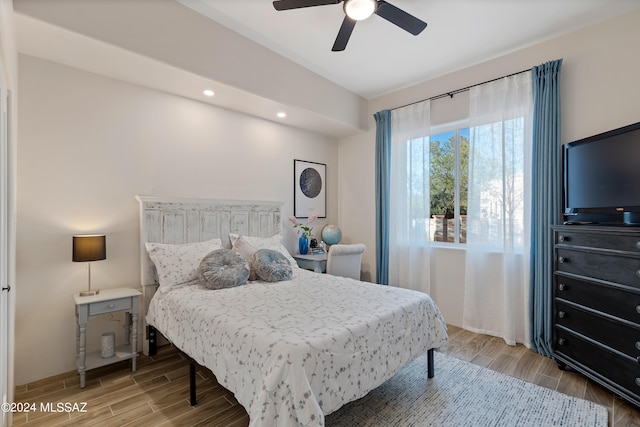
(89, 293)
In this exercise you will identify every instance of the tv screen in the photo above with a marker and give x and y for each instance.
(602, 178)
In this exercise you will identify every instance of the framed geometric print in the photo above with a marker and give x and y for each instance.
(309, 189)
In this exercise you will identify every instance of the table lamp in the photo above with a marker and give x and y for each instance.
(87, 248)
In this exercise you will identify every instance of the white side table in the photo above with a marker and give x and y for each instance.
(107, 301)
(315, 262)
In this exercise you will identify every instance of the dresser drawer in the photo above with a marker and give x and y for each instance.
(109, 306)
(599, 240)
(609, 332)
(618, 269)
(613, 300)
(617, 371)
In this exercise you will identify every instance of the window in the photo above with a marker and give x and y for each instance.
(437, 185)
(448, 184)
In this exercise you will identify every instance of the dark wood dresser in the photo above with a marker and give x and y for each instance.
(596, 305)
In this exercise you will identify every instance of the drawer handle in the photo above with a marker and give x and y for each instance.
(638, 382)
(638, 273)
(638, 244)
(563, 260)
(562, 314)
(638, 309)
(562, 238)
(638, 345)
(111, 305)
(562, 341)
(562, 286)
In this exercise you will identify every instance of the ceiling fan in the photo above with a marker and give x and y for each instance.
(357, 10)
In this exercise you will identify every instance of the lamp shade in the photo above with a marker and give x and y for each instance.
(91, 247)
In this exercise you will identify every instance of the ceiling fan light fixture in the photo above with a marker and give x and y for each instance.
(359, 9)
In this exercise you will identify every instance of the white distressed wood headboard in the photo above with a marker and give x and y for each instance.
(181, 220)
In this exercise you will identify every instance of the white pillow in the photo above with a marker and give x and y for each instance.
(274, 242)
(178, 264)
(247, 250)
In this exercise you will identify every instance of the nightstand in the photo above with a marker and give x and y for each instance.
(314, 262)
(107, 301)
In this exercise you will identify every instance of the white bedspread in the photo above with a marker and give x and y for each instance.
(293, 351)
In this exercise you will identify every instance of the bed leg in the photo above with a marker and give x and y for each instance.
(430, 370)
(192, 383)
(153, 346)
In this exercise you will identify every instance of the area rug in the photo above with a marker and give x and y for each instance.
(464, 394)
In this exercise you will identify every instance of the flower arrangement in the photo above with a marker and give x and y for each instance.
(306, 228)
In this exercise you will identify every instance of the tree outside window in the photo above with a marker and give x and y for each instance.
(448, 185)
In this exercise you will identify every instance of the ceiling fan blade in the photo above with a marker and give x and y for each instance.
(297, 4)
(400, 18)
(343, 35)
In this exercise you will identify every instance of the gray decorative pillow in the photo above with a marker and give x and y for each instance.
(223, 268)
(272, 266)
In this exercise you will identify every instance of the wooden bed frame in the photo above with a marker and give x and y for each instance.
(181, 220)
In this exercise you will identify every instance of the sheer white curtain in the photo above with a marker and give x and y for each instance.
(496, 298)
(409, 197)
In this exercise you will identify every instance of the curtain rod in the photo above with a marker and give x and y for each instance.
(464, 89)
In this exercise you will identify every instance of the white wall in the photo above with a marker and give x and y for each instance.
(88, 144)
(599, 91)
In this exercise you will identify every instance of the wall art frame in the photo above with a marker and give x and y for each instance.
(309, 189)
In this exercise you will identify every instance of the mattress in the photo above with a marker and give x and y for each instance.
(295, 351)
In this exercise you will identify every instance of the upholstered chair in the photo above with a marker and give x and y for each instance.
(345, 260)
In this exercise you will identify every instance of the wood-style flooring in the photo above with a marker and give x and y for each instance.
(157, 393)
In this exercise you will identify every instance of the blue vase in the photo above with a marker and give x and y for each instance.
(303, 244)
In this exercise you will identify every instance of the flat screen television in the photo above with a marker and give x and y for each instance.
(602, 178)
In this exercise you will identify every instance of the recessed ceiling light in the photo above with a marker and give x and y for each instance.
(208, 92)
(282, 114)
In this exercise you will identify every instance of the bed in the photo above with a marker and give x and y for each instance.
(291, 351)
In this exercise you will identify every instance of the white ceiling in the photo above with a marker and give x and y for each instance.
(381, 57)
